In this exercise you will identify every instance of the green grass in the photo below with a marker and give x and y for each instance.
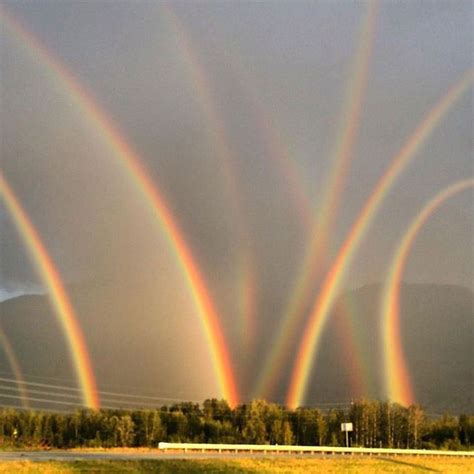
(403, 464)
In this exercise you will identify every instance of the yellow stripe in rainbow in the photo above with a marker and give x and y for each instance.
(16, 369)
(314, 259)
(333, 280)
(57, 295)
(220, 139)
(397, 376)
(156, 202)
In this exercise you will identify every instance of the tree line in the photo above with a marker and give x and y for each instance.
(375, 424)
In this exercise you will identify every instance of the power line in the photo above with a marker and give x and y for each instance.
(61, 402)
(29, 410)
(101, 392)
(78, 396)
(122, 403)
(180, 392)
(41, 400)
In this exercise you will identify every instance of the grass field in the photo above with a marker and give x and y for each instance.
(240, 466)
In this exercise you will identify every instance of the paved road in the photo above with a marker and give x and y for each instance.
(58, 455)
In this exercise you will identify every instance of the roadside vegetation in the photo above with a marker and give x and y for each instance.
(375, 424)
(240, 466)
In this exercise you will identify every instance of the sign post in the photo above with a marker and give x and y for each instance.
(346, 427)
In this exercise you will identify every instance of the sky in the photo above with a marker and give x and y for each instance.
(222, 102)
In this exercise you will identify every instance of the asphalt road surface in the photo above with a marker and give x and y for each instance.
(57, 455)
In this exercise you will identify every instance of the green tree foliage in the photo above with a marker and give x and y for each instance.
(254, 427)
(376, 424)
(466, 429)
(310, 427)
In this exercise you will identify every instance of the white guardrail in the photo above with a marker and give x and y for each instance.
(270, 448)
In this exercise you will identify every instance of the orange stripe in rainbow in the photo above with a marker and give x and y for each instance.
(397, 377)
(314, 258)
(333, 280)
(156, 202)
(57, 295)
(16, 369)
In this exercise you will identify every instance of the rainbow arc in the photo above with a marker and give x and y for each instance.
(322, 224)
(57, 295)
(312, 333)
(398, 385)
(160, 210)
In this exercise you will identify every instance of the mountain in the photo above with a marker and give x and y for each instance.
(437, 337)
(147, 346)
(140, 341)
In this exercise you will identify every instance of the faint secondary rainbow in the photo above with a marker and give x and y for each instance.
(218, 134)
(15, 367)
(247, 302)
(278, 153)
(313, 261)
(290, 175)
(312, 332)
(360, 373)
(359, 377)
(398, 384)
(348, 353)
(57, 295)
(163, 216)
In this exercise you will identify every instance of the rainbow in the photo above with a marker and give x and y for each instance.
(291, 175)
(57, 294)
(348, 329)
(247, 300)
(277, 151)
(397, 379)
(347, 343)
(161, 212)
(15, 367)
(220, 139)
(312, 266)
(333, 280)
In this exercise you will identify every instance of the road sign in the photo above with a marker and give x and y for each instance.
(346, 427)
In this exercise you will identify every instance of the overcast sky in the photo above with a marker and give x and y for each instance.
(270, 69)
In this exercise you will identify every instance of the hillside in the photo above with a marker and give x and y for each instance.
(437, 329)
